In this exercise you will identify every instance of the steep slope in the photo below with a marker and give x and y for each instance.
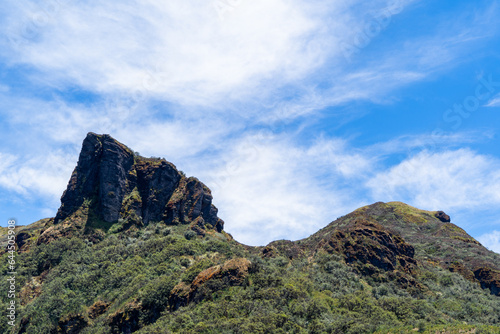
(137, 246)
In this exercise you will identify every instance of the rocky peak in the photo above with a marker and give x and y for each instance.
(101, 175)
(112, 185)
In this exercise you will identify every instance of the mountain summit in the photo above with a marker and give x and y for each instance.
(112, 185)
(137, 246)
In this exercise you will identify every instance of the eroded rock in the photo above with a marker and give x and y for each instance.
(369, 242)
(442, 217)
(231, 273)
(111, 185)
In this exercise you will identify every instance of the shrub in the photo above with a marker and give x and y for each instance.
(190, 234)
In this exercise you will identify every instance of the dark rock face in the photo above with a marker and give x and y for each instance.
(126, 320)
(111, 183)
(489, 279)
(115, 163)
(190, 200)
(443, 217)
(156, 184)
(101, 174)
(369, 242)
(21, 240)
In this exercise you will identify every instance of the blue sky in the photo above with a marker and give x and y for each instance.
(293, 112)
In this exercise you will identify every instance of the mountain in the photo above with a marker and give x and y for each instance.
(137, 247)
(111, 184)
(394, 235)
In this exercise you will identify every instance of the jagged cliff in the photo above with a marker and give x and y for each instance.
(112, 186)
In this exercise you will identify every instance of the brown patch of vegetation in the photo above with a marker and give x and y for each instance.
(231, 273)
(98, 308)
(126, 320)
(31, 290)
(71, 324)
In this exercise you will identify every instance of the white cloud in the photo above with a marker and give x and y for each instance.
(452, 179)
(491, 241)
(182, 52)
(45, 175)
(6, 162)
(494, 102)
(409, 144)
(223, 51)
(180, 138)
(267, 188)
(189, 53)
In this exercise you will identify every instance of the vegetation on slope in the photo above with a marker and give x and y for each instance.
(126, 283)
(136, 246)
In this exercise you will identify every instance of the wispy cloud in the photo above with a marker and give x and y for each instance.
(494, 102)
(180, 52)
(192, 55)
(447, 180)
(413, 144)
(37, 176)
(186, 53)
(491, 241)
(268, 188)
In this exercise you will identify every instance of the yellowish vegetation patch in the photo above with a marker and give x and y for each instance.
(410, 213)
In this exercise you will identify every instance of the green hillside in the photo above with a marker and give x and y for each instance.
(137, 247)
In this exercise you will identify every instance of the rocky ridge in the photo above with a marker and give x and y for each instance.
(112, 186)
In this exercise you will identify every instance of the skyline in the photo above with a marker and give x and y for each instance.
(292, 113)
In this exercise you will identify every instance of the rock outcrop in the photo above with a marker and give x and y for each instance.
(395, 236)
(72, 324)
(100, 175)
(112, 185)
(442, 217)
(369, 242)
(125, 320)
(489, 279)
(231, 273)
